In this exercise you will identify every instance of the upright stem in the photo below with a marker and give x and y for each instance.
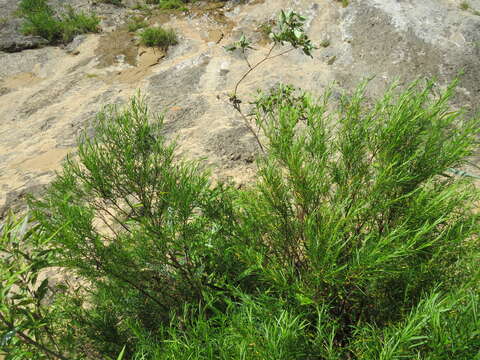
(236, 102)
(236, 106)
(253, 68)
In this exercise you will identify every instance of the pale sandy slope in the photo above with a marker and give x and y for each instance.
(47, 96)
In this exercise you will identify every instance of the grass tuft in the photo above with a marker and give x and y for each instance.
(136, 23)
(325, 43)
(464, 5)
(158, 37)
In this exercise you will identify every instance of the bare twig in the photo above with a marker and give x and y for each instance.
(253, 68)
(236, 106)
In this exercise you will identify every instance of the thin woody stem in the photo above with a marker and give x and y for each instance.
(27, 339)
(253, 68)
(247, 123)
(236, 103)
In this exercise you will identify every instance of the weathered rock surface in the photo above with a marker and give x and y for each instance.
(48, 95)
(11, 39)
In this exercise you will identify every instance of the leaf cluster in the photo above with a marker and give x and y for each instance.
(290, 30)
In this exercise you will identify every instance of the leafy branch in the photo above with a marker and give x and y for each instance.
(24, 256)
(290, 31)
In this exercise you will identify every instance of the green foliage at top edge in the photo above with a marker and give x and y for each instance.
(56, 27)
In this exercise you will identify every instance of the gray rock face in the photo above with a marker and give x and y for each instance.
(11, 38)
(12, 41)
(48, 95)
(390, 39)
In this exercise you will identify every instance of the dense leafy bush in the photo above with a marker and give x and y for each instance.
(355, 242)
(41, 20)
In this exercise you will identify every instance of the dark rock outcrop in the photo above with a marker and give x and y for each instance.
(11, 38)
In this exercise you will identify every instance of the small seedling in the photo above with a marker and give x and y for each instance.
(344, 3)
(464, 5)
(325, 43)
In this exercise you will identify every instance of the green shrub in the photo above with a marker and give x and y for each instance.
(41, 20)
(158, 37)
(249, 329)
(30, 327)
(361, 211)
(356, 241)
(74, 23)
(44, 25)
(26, 7)
(158, 203)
